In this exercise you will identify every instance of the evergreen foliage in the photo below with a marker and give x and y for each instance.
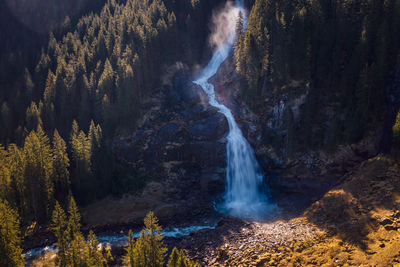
(59, 227)
(149, 250)
(35, 175)
(179, 259)
(96, 71)
(345, 50)
(10, 237)
(73, 249)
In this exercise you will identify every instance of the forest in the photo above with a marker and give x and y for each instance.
(73, 92)
(343, 51)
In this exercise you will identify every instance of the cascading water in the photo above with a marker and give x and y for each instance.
(243, 197)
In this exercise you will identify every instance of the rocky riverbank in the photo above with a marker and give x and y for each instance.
(354, 224)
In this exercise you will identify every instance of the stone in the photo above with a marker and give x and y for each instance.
(385, 221)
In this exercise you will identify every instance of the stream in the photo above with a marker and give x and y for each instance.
(120, 240)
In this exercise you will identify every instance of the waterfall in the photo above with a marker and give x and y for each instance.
(243, 197)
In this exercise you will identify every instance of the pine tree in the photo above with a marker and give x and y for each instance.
(238, 47)
(74, 218)
(5, 176)
(78, 254)
(174, 258)
(129, 258)
(47, 172)
(96, 257)
(154, 245)
(179, 259)
(74, 130)
(17, 165)
(60, 164)
(59, 227)
(149, 249)
(33, 116)
(10, 237)
(38, 173)
(49, 91)
(81, 150)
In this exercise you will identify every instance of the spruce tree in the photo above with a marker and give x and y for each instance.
(179, 259)
(174, 258)
(149, 249)
(74, 218)
(38, 174)
(59, 227)
(96, 257)
(60, 164)
(78, 254)
(17, 164)
(10, 237)
(129, 258)
(5, 177)
(153, 241)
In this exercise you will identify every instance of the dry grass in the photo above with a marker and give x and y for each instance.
(359, 222)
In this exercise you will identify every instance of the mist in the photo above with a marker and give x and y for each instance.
(223, 25)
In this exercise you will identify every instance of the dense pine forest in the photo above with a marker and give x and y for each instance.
(344, 52)
(70, 91)
(85, 89)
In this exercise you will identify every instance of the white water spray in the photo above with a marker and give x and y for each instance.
(243, 197)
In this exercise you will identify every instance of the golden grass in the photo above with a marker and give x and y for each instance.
(359, 222)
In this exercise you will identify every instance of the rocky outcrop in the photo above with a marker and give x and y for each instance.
(181, 142)
(296, 176)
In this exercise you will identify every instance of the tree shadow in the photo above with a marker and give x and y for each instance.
(340, 213)
(353, 209)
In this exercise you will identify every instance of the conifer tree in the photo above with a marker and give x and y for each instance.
(238, 47)
(179, 259)
(45, 159)
(59, 227)
(60, 164)
(33, 116)
(17, 164)
(78, 254)
(5, 176)
(74, 218)
(10, 237)
(153, 241)
(96, 257)
(129, 258)
(38, 173)
(174, 258)
(149, 249)
(81, 150)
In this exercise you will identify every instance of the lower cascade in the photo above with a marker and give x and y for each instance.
(243, 197)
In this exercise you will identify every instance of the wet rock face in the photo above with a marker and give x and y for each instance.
(181, 139)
